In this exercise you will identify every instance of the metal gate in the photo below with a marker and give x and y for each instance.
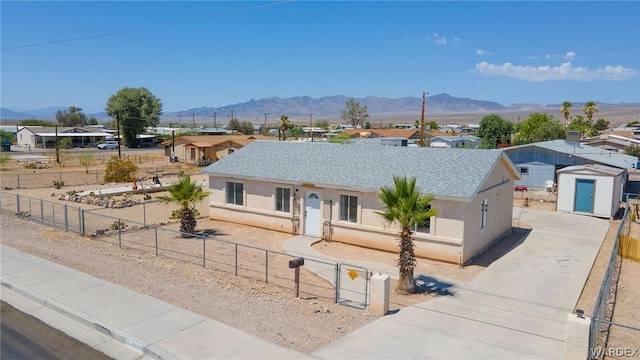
(352, 286)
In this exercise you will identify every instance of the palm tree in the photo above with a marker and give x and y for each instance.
(405, 205)
(589, 109)
(284, 126)
(566, 109)
(185, 193)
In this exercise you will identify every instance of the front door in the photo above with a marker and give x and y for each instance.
(584, 196)
(312, 215)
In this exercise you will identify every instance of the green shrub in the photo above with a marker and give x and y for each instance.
(120, 170)
(58, 184)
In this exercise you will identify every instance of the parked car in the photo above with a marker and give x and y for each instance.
(108, 145)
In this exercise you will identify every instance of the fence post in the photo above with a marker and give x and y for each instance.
(119, 235)
(60, 177)
(81, 220)
(30, 211)
(18, 181)
(97, 177)
(236, 259)
(53, 213)
(156, 231)
(66, 218)
(41, 212)
(266, 266)
(337, 283)
(204, 251)
(144, 212)
(18, 205)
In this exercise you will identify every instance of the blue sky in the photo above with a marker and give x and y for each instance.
(221, 53)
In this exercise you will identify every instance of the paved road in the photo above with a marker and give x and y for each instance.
(515, 309)
(25, 337)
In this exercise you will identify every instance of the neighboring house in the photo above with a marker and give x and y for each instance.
(611, 142)
(330, 191)
(45, 137)
(595, 190)
(535, 175)
(205, 149)
(455, 141)
(561, 153)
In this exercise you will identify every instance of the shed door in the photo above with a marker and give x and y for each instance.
(312, 215)
(584, 196)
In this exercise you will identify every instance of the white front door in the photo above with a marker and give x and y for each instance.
(312, 215)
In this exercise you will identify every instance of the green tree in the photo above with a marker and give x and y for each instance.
(601, 124)
(136, 108)
(539, 127)
(589, 109)
(579, 123)
(283, 127)
(185, 194)
(65, 143)
(233, 125)
(322, 124)
(71, 117)
(6, 136)
(354, 114)
(296, 131)
(120, 170)
(633, 123)
(406, 206)
(342, 138)
(494, 130)
(566, 109)
(246, 127)
(433, 125)
(92, 121)
(34, 122)
(632, 150)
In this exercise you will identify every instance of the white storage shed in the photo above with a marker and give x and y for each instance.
(590, 190)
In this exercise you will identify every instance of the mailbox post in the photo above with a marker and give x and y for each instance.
(295, 264)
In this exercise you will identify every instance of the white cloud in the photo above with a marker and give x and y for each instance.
(439, 40)
(568, 56)
(482, 52)
(562, 72)
(442, 40)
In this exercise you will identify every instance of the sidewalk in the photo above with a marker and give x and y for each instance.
(148, 326)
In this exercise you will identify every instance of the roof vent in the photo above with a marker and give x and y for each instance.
(573, 137)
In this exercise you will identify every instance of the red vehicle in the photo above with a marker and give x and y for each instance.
(521, 188)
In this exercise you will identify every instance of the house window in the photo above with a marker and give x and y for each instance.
(230, 151)
(524, 171)
(425, 226)
(234, 193)
(349, 208)
(483, 219)
(283, 199)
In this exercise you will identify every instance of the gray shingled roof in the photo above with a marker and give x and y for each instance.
(445, 173)
(587, 152)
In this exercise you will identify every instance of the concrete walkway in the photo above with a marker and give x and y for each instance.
(515, 309)
(107, 316)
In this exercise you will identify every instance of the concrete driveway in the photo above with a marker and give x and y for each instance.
(515, 309)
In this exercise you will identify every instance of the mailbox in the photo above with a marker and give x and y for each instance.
(297, 262)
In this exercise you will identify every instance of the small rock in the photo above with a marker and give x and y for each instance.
(316, 310)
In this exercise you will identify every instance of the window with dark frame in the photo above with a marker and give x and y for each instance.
(425, 226)
(283, 199)
(349, 208)
(524, 171)
(234, 193)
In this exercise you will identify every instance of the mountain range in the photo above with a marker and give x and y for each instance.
(325, 107)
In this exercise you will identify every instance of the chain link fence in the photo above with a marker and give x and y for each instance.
(340, 283)
(607, 338)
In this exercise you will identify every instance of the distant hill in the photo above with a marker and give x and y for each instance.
(329, 107)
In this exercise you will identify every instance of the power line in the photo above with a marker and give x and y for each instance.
(146, 28)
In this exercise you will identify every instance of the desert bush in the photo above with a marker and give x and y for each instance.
(120, 170)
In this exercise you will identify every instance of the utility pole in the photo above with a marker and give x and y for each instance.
(231, 122)
(193, 120)
(422, 121)
(311, 125)
(265, 124)
(118, 134)
(214, 119)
